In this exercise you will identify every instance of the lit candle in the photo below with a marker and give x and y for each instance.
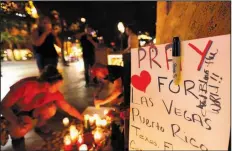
(96, 116)
(73, 133)
(83, 147)
(108, 119)
(86, 118)
(67, 143)
(91, 120)
(72, 128)
(98, 122)
(80, 139)
(103, 122)
(97, 136)
(66, 121)
(97, 119)
(106, 112)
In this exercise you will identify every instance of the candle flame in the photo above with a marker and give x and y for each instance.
(80, 139)
(72, 128)
(97, 135)
(96, 116)
(98, 122)
(73, 132)
(103, 122)
(65, 121)
(91, 119)
(106, 112)
(67, 140)
(83, 147)
(86, 116)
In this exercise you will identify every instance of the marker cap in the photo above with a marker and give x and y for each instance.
(176, 46)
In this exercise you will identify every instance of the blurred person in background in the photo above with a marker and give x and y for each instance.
(101, 52)
(106, 74)
(88, 44)
(133, 43)
(32, 102)
(43, 40)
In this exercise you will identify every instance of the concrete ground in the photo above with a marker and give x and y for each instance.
(73, 89)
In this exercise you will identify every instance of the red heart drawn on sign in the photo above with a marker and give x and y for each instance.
(141, 82)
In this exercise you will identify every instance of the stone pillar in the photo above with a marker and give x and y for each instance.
(192, 20)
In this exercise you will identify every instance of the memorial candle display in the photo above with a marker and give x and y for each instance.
(92, 131)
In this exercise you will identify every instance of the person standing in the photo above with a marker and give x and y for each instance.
(88, 45)
(43, 39)
(133, 42)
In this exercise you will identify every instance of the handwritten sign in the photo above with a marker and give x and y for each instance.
(194, 115)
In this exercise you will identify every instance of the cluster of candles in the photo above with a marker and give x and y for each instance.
(76, 138)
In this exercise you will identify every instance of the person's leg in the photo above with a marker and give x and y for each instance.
(18, 131)
(127, 77)
(86, 65)
(51, 61)
(17, 134)
(43, 114)
(54, 61)
(93, 78)
(39, 62)
(127, 89)
(18, 144)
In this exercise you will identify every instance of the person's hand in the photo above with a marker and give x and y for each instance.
(54, 33)
(95, 95)
(98, 103)
(48, 31)
(89, 38)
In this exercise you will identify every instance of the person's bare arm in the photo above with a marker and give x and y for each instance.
(92, 41)
(39, 40)
(98, 91)
(116, 92)
(57, 39)
(69, 109)
(79, 35)
(129, 45)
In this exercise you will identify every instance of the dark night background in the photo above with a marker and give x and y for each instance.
(104, 16)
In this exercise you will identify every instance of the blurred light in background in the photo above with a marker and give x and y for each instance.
(121, 27)
(83, 20)
(31, 10)
(115, 60)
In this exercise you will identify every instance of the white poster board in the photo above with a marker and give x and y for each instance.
(192, 116)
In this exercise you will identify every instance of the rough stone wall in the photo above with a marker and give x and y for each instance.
(192, 20)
